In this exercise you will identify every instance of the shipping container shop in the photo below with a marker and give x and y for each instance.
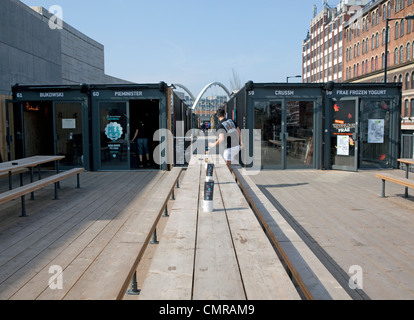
(319, 126)
(50, 120)
(100, 127)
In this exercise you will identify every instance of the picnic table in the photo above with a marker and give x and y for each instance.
(28, 163)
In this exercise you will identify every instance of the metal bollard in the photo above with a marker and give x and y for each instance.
(134, 286)
(165, 214)
(154, 237)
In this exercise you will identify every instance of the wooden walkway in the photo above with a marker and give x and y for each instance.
(344, 220)
(339, 215)
(218, 255)
(68, 233)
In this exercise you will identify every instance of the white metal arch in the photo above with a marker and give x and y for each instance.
(185, 89)
(206, 88)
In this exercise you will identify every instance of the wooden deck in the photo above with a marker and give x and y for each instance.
(218, 255)
(339, 215)
(68, 233)
(343, 219)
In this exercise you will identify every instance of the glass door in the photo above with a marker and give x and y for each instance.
(69, 133)
(299, 133)
(375, 133)
(114, 136)
(344, 134)
(268, 119)
(287, 131)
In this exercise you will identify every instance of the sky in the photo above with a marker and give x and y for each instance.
(194, 42)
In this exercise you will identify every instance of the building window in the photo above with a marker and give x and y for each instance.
(363, 46)
(373, 42)
(376, 63)
(396, 56)
(408, 26)
(412, 108)
(383, 61)
(373, 19)
(402, 28)
(401, 54)
(408, 51)
(397, 30)
(388, 9)
(406, 114)
(412, 80)
(376, 40)
(407, 81)
(383, 36)
(384, 12)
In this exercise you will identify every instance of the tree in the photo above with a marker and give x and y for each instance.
(235, 82)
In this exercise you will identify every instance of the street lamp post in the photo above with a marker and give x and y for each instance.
(387, 29)
(287, 78)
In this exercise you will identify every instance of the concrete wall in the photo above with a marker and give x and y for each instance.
(32, 53)
(83, 59)
(29, 52)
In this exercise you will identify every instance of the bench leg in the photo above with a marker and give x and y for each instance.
(165, 214)
(154, 237)
(78, 181)
(383, 189)
(31, 180)
(56, 191)
(134, 286)
(172, 195)
(23, 207)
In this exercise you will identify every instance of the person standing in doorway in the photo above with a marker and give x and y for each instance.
(228, 133)
(141, 134)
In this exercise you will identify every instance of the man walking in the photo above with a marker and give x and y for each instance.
(228, 133)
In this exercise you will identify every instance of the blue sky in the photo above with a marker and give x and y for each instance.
(194, 42)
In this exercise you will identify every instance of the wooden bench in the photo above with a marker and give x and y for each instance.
(13, 172)
(111, 273)
(314, 280)
(33, 186)
(171, 273)
(406, 182)
(219, 255)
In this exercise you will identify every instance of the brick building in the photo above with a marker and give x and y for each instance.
(323, 45)
(364, 50)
